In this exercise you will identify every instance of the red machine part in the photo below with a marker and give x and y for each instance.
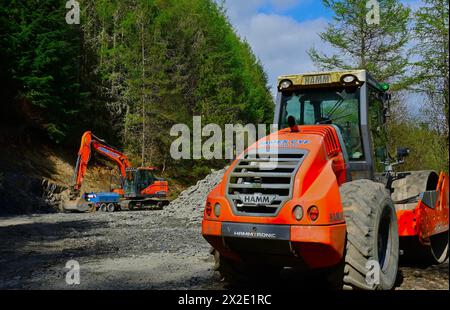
(333, 149)
(155, 188)
(89, 142)
(423, 221)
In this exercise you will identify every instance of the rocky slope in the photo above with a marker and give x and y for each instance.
(191, 202)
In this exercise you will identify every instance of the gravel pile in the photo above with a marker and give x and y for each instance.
(190, 203)
(54, 194)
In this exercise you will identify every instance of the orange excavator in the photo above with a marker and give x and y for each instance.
(139, 186)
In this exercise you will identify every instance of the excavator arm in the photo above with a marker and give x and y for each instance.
(90, 142)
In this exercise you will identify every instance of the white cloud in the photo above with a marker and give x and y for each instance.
(282, 43)
(279, 41)
(239, 10)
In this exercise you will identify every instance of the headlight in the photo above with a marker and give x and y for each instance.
(285, 84)
(348, 78)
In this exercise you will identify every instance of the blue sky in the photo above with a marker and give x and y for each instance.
(302, 10)
(281, 31)
(297, 9)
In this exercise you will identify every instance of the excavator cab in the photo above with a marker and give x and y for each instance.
(142, 182)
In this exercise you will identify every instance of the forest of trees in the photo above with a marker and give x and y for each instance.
(132, 69)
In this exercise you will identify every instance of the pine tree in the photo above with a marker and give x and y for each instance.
(379, 49)
(44, 68)
(431, 72)
(43, 56)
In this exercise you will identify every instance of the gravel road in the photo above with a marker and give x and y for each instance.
(129, 250)
(123, 250)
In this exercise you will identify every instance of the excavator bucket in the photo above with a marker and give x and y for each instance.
(78, 205)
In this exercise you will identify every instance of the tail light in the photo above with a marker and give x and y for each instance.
(208, 209)
(313, 213)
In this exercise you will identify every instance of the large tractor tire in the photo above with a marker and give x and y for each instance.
(433, 250)
(372, 241)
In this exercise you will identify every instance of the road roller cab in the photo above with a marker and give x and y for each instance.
(322, 193)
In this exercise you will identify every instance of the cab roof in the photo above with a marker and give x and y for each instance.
(326, 78)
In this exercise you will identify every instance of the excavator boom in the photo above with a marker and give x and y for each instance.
(90, 142)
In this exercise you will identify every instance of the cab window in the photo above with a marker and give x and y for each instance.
(338, 106)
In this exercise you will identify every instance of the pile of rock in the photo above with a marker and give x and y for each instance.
(54, 194)
(190, 203)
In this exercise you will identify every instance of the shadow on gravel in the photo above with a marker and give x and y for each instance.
(18, 235)
(31, 243)
(138, 281)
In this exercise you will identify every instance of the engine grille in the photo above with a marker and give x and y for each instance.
(261, 183)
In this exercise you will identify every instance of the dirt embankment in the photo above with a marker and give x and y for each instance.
(37, 179)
